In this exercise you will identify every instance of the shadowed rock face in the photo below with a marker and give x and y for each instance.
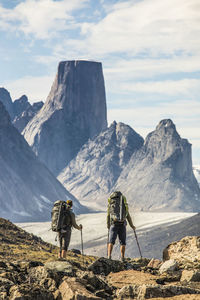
(7, 101)
(21, 120)
(74, 111)
(27, 188)
(20, 105)
(92, 174)
(160, 175)
(156, 176)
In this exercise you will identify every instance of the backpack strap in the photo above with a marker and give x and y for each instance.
(126, 204)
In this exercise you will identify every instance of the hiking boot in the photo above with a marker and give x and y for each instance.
(122, 259)
(61, 259)
(109, 257)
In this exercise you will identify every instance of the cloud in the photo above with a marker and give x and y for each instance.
(140, 27)
(181, 112)
(185, 87)
(134, 68)
(36, 88)
(40, 18)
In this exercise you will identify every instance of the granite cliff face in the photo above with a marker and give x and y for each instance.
(20, 111)
(5, 98)
(21, 120)
(74, 111)
(27, 188)
(160, 175)
(92, 174)
(20, 105)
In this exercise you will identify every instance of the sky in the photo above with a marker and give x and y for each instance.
(149, 49)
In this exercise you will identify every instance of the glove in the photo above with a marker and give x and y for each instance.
(81, 226)
(134, 227)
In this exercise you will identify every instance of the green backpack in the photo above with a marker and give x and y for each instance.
(118, 207)
(60, 216)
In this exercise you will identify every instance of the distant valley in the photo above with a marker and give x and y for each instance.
(64, 148)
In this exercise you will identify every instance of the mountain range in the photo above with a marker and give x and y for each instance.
(20, 110)
(27, 188)
(68, 138)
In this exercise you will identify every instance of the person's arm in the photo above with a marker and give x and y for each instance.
(74, 224)
(130, 221)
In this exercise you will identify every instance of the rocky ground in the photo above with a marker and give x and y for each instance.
(30, 269)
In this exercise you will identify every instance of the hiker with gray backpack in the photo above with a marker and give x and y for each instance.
(62, 221)
(117, 214)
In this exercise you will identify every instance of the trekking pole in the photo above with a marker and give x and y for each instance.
(82, 245)
(82, 241)
(107, 242)
(137, 243)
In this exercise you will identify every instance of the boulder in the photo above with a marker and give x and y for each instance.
(27, 291)
(144, 291)
(185, 251)
(154, 263)
(63, 267)
(190, 275)
(168, 266)
(104, 266)
(74, 289)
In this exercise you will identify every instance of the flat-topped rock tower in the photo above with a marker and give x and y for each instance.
(74, 111)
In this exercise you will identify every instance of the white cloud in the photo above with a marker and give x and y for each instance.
(134, 68)
(148, 26)
(41, 18)
(186, 87)
(181, 112)
(36, 88)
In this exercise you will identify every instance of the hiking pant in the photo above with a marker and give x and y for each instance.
(64, 238)
(117, 230)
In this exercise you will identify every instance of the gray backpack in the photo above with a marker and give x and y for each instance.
(118, 207)
(60, 216)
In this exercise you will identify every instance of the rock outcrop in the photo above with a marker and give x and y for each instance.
(160, 175)
(20, 105)
(185, 251)
(74, 111)
(20, 111)
(92, 174)
(29, 269)
(27, 188)
(21, 120)
(5, 98)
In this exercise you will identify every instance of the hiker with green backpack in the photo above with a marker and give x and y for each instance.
(117, 214)
(63, 219)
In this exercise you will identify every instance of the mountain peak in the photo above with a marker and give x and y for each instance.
(4, 116)
(74, 112)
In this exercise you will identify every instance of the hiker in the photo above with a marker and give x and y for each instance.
(117, 214)
(69, 221)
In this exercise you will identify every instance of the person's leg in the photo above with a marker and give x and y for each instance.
(122, 250)
(110, 247)
(63, 254)
(122, 240)
(112, 239)
(65, 242)
(60, 242)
